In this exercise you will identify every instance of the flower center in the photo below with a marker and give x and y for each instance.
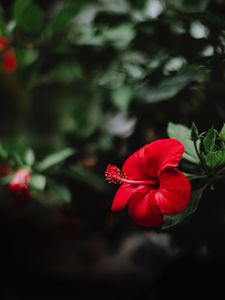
(114, 175)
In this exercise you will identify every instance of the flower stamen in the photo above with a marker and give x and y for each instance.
(114, 175)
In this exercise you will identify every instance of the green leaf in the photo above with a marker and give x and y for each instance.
(136, 72)
(61, 191)
(122, 96)
(59, 22)
(215, 158)
(38, 182)
(117, 6)
(194, 132)
(54, 159)
(29, 157)
(172, 220)
(63, 73)
(29, 17)
(3, 153)
(16, 146)
(140, 4)
(209, 140)
(210, 19)
(120, 36)
(188, 5)
(183, 134)
(81, 174)
(27, 57)
(88, 116)
(167, 88)
(62, 19)
(222, 133)
(2, 21)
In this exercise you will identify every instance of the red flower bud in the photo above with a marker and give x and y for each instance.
(9, 61)
(8, 58)
(19, 184)
(3, 43)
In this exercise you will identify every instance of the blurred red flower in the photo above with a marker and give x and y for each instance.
(152, 186)
(3, 43)
(9, 62)
(19, 185)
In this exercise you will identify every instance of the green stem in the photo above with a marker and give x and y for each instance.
(211, 178)
(196, 176)
(199, 155)
(220, 171)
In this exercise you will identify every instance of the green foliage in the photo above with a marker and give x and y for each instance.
(2, 21)
(16, 152)
(29, 157)
(209, 140)
(27, 57)
(38, 182)
(214, 148)
(205, 148)
(222, 133)
(28, 16)
(81, 174)
(194, 132)
(183, 134)
(62, 193)
(59, 21)
(189, 5)
(3, 153)
(54, 159)
(119, 36)
(64, 73)
(215, 158)
(167, 88)
(122, 96)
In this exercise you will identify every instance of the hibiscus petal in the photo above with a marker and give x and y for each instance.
(149, 160)
(122, 196)
(143, 211)
(162, 154)
(134, 166)
(173, 194)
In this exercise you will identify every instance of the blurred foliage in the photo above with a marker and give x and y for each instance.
(103, 78)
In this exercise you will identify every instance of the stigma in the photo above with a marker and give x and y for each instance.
(116, 176)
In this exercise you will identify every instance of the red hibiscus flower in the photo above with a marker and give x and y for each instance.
(151, 184)
(3, 43)
(19, 184)
(9, 62)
